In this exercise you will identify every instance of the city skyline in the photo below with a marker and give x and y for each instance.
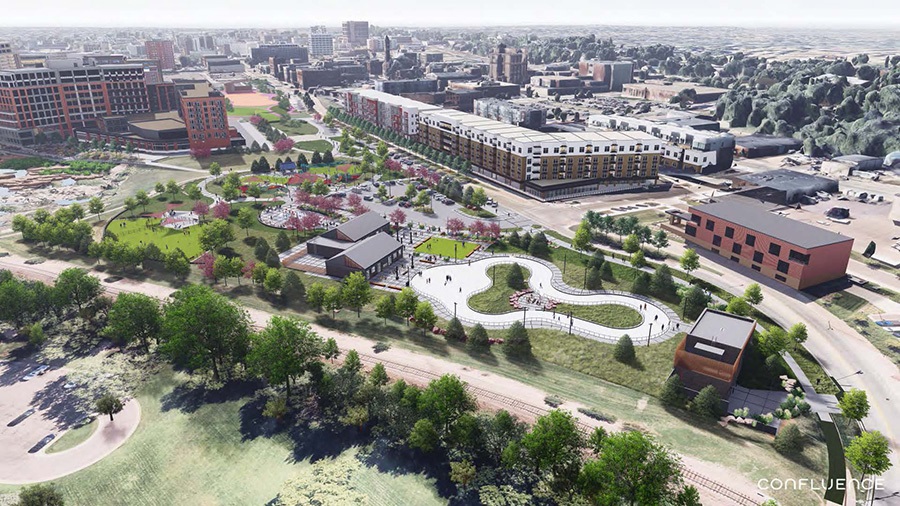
(205, 13)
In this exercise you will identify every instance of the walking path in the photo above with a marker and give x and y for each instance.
(449, 288)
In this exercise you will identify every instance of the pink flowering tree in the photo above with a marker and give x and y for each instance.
(494, 230)
(201, 153)
(397, 217)
(284, 145)
(294, 223)
(221, 210)
(393, 165)
(354, 200)
(206, 263)
(247, 270)
(256, 119)
(201, 209)
(477, 228)
(359, 210)
(310, 221)
(409, 171)
(455, 225)
(302, 196)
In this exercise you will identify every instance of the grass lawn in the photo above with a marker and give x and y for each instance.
(318, 145)
(190, 452)
(136, 231)
(271, 179)
(449, 248)
(495, 300)
(252, 111)
(478, 213)
(855, 311)
(73, 438)
(299, 128)
(330, 170)
(616, 316)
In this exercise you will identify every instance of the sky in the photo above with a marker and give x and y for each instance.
(304, 13)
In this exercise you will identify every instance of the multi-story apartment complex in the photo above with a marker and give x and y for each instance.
(321, 44)
(547, 166)
(284, 52)
(163, 51)
(509, 65)
(8, 59)
(523, 115)
(203, 112)
(356, 32)
(797, 254)
(686, 149)
(59, 100)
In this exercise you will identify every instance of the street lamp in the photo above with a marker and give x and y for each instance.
(524, 312)
(454, 310)
(649, 332)
(847, 376)
(565, 257)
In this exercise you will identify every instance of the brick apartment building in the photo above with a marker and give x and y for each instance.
(797, 254)
(203, 112)
(162, 51)
(509, 65)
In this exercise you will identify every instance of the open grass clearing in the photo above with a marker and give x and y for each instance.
(616, 316)
(246, 111)
(143, 231)
(318, 145)
(72, 438)
(495, 300)
(297, 127)
(449, 248)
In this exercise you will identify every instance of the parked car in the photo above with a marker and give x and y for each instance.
(389, 202)
(37, 371)
(449, 202)
(368, 198)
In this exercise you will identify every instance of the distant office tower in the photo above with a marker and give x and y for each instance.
(161, 50)
(8, 58)
(356, 32)
(612, 73)
(387, 54)
(285, 52)
(187, 44)
(375, 44)
(321, 44)
(509, 65)
(207, 42)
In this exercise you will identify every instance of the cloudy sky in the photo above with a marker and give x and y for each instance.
(302, 13)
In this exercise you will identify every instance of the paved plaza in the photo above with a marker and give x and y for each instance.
(465, 280)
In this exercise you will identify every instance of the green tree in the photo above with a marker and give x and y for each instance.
(478, 340)
(455, 330)
(695, 301)
(204, 330)
(109, 404)
(515, 277)
(134, 316)
(660, 240)
(553, 448)
(631, 243)
(292, 289)
(690, 261)
(539, 246)
(690, 496)
(423, 436)
(641, 284)
(662, 283)
(282, 241)
(246, 218)
(95, 206)
(315, 296)
(708, 402)
(160, 188)
(177, 263)
(739, 306)
(260, 249)
(516, 342)
(406, 304)
(854, 404)
(216, 234)
(76, 286)
(424, 316)
(215, 169)
(672, 394)
(36, 335)
(637, 259)
(378, 376)
(594, 281)
(788, 440)
(331, 351)
(462, 473)
(632, 469)
(130, 205)
(284, 350)
(797, 334)
(753, 294)
(582, 239)
(172, 188)
(272, 260)
(273, 282)
(444, 402)
(774, 341)
(624, 350)
(384, 307)
(333, 300)
(142, 199)
(869, 453)
(356, 291)
(40, 495)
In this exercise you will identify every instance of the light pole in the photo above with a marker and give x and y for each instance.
(565, 258)
(650, 331)
(454, 310)
(847, 376)
(524, 312)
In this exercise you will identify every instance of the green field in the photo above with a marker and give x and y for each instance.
(266, 178)
(495, 300)
(220, 452)
(318, 145)
(136, 231)
(297, 128)
(329, 170)
(616, 316)
(449, 248)
(253, 111)
(74, 437)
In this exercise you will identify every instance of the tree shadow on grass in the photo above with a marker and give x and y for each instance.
(403, 460)
(188, 398)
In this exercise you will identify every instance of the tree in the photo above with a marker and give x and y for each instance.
(40, 495)
(869, 453)
(327, 157)
(641, 284)
(130, 205)
(707, 402)
(624, 351)
(516, 343)
(95, 206)
(690, 496)
(515, 278)
(445, 402)
(690, 261)
(384, 307)
(553, 448)
(246, 218)
(479, 197)
(582, 239)
(455, 330)
(221, 210)
(357, 291)
(204, 330)
(423, 436)
(854, 404)
(797, 334)
(284, 350)
(637, 259)
(631, 243)
(109, 404)
(215, 169)
(406, 303)
(660, 240)
(739, 306)
(695, 301)
(272, 260)
(478, 340)
(315, 296)
(292, 288)
(539, 246)
(36, 335)
(397, 217)
(282, 241)
(672, 394)
(142, 199)
(632, 469)
(424, 316)
(215, 235)
(172, 188)
(333, 300)
(774, 341)
(462, 473)
(76, 286)
(788, 440)
(177, 263)
(753, 294)
(273, 282)
(134, 316)
(662, 283)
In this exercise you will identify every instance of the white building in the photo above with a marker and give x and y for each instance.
(321, 44)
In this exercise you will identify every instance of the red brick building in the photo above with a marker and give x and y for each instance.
(712, 352)
(162, 51)
(203, 112)
(795, 253)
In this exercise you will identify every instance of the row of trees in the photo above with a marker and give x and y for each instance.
(65, 228)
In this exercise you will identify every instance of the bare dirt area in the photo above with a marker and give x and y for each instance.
(20, 462)
(250, 100)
